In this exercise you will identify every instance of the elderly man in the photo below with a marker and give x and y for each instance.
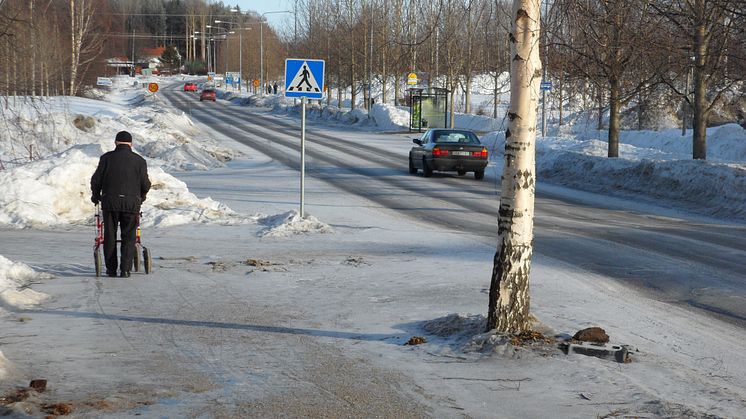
(120, 184)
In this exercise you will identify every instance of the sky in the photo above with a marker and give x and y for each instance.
(277, 20)
(156, 334)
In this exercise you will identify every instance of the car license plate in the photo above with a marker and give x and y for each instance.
(461, 153)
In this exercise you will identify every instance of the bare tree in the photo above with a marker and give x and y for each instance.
(509, 296)
(705, 31)
(609, 44)
(85, 43)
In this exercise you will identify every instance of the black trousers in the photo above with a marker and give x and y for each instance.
(128, 223)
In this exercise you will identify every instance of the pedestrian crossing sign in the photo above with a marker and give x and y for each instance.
(304, 78)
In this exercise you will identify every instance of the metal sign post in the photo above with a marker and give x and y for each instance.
(302, 155)
(545, 86)
(304, 79)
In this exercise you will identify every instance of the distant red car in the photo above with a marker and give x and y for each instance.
(207, 94)
(190, 87)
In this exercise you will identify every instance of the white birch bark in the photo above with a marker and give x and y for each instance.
(509, 290)
(74, 46)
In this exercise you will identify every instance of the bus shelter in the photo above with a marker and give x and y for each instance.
(428, 108)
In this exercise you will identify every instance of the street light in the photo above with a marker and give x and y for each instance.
(225, 35)
(240, 47)
(215, 40)
(261, 47)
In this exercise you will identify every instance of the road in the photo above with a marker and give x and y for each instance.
(698, 264)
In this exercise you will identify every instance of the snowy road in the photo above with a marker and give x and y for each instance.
(695, 263)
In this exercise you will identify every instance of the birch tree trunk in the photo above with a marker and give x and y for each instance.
(75, 47)
(32, 40)
(81, 14)
(509, 290)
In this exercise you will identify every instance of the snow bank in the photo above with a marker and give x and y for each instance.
(14, 277)
(290, 223)
(657, 168)
(56, 191)
(50, 148)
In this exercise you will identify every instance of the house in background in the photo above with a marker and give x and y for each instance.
(150, 60)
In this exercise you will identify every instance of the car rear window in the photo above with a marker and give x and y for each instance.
(462, 137)
(208, 91)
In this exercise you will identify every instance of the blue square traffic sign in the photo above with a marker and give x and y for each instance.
(304, 78)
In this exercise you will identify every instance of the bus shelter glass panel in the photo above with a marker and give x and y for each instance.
(428, 109)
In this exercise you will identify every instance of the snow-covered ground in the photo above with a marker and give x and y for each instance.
(362, 265)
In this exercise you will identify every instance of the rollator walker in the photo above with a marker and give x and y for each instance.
(139, 248)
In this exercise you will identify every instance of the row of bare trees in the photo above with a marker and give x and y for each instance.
(53, 47)
(48, 47)
(622, 54)
(689, 52)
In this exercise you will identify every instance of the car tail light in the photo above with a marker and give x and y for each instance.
(438, 152)
(482, 153)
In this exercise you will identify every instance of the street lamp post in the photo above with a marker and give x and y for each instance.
(225, 35)
(261, 47)
(240, 47)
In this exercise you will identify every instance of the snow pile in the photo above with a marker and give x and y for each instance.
(14, 278)
(390, 118)
(290, 223)
(37, 128)
(655, 167)
(170, 203)
(716, 189)
(50, 148)
(56, 191)
(726, 143)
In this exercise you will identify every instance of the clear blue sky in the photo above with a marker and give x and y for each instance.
(277, 20)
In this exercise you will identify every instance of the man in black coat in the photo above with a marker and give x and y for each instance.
(120, 184)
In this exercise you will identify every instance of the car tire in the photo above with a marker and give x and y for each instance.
(461, 172)
(427, 171)
(479, 174)
(412, 169)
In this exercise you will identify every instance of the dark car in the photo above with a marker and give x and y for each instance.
(207, 94)
(190, 87)
(448, 150)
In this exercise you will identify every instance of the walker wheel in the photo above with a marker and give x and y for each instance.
(137, 258)
(147, 260)
(97, 261)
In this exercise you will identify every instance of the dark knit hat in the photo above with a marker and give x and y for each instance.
(124, 137)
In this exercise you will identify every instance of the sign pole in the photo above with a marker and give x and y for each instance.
(304, 79)
(302, 155)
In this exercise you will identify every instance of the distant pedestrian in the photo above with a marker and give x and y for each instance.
(274, 87)
(269, 89)
(120, 184)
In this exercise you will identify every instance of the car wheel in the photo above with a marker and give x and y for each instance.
(461, 172)
(426, 169)
(412, 169)
(479, 174)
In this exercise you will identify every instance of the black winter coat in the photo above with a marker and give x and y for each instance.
(121, 181)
